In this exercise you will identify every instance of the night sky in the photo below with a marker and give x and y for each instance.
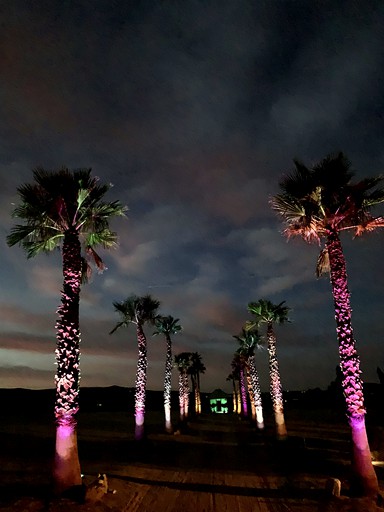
(193, 110)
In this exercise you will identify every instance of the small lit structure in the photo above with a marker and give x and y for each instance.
(218, 401)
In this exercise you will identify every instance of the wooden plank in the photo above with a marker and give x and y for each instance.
(166, 495)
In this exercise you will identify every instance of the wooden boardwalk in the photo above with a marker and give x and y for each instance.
(220, 465)
(158, 490)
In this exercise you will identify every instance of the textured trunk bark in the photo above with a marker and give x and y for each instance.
(275, 384)
(196, 400)
(141, 384)
(181, 395)
(365, 479)
(66, 469)
(198, 393)
(238, 398)
(256, 393)
(243, 391)
(234, 396)
(251, 394)
(168, 385)
(186, 395)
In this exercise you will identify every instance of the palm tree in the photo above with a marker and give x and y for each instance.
(138, 311)
(65, 209)
(167, 325)
(196, 368)
(249, 341)
(182, 363)
(238, 367)
(266, 312)
(236, 394)
(318, 204)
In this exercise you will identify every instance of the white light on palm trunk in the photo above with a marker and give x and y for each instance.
(139, 418)
(259, 416)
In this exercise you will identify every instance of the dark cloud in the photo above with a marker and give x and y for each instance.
(193, 110)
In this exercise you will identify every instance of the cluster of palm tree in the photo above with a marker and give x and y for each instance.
(66, 209)
(189, 364)
(244, 368)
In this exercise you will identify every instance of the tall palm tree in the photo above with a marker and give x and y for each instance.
(236, 392)
(267, 313)
(65, 209)
(138, 311)
(195, 369)
(182, 363)
(319, 203)
(249, 341)
(238, 367)
(167, 325)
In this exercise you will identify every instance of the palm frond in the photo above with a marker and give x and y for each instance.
(104, 238)
(323, 266)
(265, 311)
(369, 225)
(100, 265)
(299, 182)
(117, 326)
(166, 325)
(286, 206)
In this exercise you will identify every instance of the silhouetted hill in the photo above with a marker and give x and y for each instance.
(113, 398)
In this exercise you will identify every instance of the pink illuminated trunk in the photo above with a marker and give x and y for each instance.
(275, 384)
(251, 393)
(168, 385)
(234, 396)
(238, 398)
(243, 391)
(141, 383)
(256, 392)
(181, 396)
(186, 394)
(365, 477)
(66, 470)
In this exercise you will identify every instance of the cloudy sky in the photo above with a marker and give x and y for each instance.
(193, 110)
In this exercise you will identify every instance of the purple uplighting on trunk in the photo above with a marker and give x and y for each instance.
(352, 384)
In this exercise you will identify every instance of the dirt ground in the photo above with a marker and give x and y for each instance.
(218, 463)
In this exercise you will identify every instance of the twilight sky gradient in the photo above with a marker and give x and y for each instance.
(193, 110)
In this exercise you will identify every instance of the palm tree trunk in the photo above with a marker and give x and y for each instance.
(141, 383)
(238, 397)
(186, 395)
(198, 393)
(234, 395)
(181, 396)
(66, 470)
(250, 393)
(365, 477)
(193, 380)
(168, 385)
(196, 396)
(275, 384)
(256, 392)
(243, 391)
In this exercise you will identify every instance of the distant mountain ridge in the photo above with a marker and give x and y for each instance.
(112, 398)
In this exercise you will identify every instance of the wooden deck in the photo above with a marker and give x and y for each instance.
(218, 464)
(158, 490)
